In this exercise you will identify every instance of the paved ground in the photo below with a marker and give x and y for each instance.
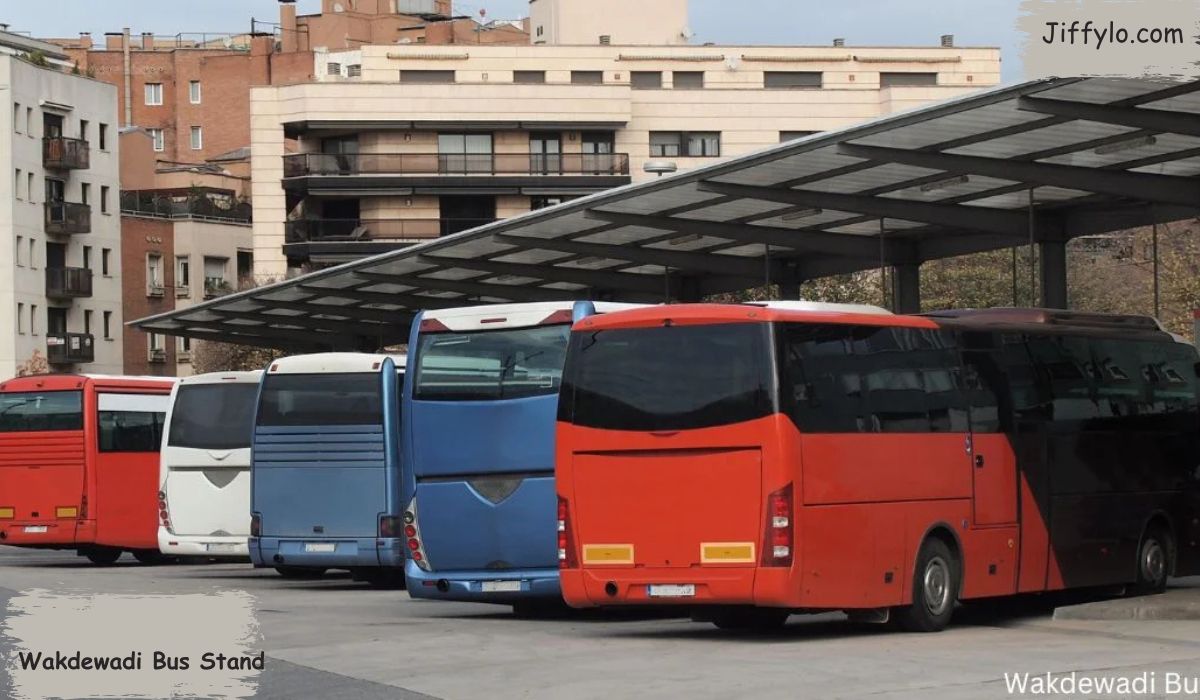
(338, 639)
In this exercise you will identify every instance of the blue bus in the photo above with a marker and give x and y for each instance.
(478, 441)
(325, 468)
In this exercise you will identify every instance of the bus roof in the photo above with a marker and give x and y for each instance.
(252, 377)
(62, 382)
(699, 314)
(332, 363)
(498, 316)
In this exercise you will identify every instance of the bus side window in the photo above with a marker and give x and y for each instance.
(824, 379)
(130, 431)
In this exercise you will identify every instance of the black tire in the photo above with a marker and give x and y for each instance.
(300, 572)
(935, 589)
(540, 609)
(149, 557)
(102, 556)
(387, 579)
(1155, 555)
(750, 619)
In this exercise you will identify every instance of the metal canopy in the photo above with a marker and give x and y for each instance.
(1092, 155)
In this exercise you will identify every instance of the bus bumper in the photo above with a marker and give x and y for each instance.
(590, 588)
(468, 586)
(60, 534)
(331, 553)
(202, 546)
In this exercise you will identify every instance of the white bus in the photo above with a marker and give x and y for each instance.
(204, 477)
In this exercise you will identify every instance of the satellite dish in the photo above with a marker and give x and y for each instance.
(687, 33)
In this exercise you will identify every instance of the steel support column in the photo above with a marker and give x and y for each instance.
(906, 288)
(1053, 254)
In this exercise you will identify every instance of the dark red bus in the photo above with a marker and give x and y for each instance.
(79, 464)
(752, 462)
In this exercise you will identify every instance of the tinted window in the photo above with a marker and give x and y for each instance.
(669, 378)
(130, 431)
(873, 380)
(321, 400)
(490, 365)
(213, 416)
(41, 410)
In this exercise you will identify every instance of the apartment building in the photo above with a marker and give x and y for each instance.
(184, 239)
(60, 268)
(190, 91)
(429, 140)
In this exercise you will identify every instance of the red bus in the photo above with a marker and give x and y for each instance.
(752, 462)
(79, 464)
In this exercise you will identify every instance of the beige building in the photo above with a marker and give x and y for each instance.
(584, 22)
(60, 267)
(429, 140)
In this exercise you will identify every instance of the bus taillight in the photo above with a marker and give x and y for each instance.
(164, 516)
(412, 537)
(256, 524)
(566, 546)
(777, 539)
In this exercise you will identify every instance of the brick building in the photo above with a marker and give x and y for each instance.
(147, 244)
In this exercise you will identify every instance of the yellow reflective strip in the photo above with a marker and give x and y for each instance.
(66, 512)
(607, 554)
(8, 513)
(727, 553)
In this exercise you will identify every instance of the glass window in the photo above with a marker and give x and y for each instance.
(427, 76)
(183, 272)
(490, 365)
(130, 431)
(707, 143)
(669, 377)
(197, 138)
(587, 77)
(103, 199)
(213, 416)
(20, 251)
(103, 137)
(792, 80)
(321, 399)
(154, 93)
(645, 80)
(688, 79)
(666, 144)
(670, 144)
(105, 254)
(156, 136)
(907, 79)
(529, 77)
(154, 271)
(465, 153)
(42, 410)
(87, 321)
(108, 325)
(194, 91)
(17, 184)
(20, 318)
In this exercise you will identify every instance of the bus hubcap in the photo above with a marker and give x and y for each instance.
(1154, 561)
(937, 586)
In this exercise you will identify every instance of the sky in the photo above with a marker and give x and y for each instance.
(798, 22)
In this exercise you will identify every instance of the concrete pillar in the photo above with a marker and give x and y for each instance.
(1053, 256)
(288, 41)
(906, 288)
(789, 290)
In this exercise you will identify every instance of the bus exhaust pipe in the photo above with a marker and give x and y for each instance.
(443, 586)
(610, 589)
(278, 558)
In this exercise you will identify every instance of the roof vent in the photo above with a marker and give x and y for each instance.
(839, 41)
(947, 41)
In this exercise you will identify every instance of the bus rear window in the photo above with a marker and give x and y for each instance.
(42, 410)
(213, 416)
(491, 365)
(321, 400)
(669, 378)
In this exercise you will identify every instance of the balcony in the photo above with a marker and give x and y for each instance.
(70, 348)
(68, 282)
(68, 218)
(335, 240)
(586, 172)
(216, 287)
(61, 153)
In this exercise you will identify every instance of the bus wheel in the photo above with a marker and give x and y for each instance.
(1154, 561)
(300, 572)
(392, 579)
(935, 589)
(102, 556)
(749, 619)
(149, 557)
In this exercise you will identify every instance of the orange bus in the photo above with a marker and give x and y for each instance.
(754, 461)
(79, 464)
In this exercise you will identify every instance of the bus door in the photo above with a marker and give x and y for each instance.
(130, 432)
(992, 459)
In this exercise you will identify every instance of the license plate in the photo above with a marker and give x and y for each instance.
(222, 547)
(687, 590)
(35, 528)
(320, 548)
(501, 586)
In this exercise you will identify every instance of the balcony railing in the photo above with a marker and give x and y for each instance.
(216, 287)
(194, 203)
(68, 282)
(511, 164)
(68, 217)
(70, 348)
(352, 230)
(61, 153)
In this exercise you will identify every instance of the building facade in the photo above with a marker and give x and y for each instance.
(427, 141)
(60, 267)
(619, 22)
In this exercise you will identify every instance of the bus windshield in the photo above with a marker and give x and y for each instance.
(46, 410)
(669, 378)
(491, 365)
(321, 400)
(213, 416)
